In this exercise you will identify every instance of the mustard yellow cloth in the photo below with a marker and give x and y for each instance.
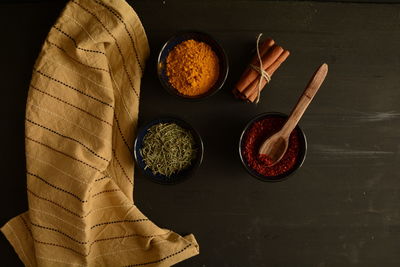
(81, 116)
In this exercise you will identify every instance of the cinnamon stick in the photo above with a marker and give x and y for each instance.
(250, 75)
(253, 87)
(265, 46)
(271, 69)
(250, 88)
(238, 94)
(251, 91)
(272, 56)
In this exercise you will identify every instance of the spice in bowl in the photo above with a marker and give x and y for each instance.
(256, 135)
(167, 149)
(259, 72)
(192, 68)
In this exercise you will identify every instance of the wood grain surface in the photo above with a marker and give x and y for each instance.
(342, 208)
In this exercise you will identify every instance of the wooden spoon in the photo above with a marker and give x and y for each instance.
(275, 147)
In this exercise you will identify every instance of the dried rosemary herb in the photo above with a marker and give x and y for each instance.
(167, 149)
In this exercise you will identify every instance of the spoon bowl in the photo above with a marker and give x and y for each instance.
(274, 149)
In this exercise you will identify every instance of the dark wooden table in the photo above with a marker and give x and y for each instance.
(342, 208)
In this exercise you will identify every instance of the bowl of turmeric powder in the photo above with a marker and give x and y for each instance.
(192, 65)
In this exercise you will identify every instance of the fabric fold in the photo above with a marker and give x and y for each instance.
(81, 118)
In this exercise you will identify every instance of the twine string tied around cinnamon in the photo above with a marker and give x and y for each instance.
(259, 69)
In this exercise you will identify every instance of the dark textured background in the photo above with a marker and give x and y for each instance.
(341, 209)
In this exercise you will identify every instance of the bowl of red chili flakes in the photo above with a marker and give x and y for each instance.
(256, 131)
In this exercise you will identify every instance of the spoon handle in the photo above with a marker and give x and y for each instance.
(305, 99)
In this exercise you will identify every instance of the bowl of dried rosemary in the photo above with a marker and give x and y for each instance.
(168, 150)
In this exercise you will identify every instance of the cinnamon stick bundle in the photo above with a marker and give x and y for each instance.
(272, 56)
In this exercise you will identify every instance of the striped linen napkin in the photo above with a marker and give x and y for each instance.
(81, 115)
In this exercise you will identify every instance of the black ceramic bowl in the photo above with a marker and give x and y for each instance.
(176, 177)
(300, 159)
(197, 36)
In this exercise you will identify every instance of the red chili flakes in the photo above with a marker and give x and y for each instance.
(255, 136)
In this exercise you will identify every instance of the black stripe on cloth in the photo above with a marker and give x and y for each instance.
(80, 242)
(56, 187)
(61, 206)
(63, 153)
(48, 243)
(116, 43)
(118, 237)
(69, 104)
(106, 191)
(94, 241)
(75, 43)
(102, 178)
(122, 168)
(84, 64)
(67, 137)
(160, 260)
(73, 88)
(60, 232)
(121, 221)
(122, 136)
(112, 11)
(55, 203)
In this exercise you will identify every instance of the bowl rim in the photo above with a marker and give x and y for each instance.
(204, 96)
(284, 176)
(181, 122)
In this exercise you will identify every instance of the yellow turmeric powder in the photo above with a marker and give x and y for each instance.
(192, 67)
